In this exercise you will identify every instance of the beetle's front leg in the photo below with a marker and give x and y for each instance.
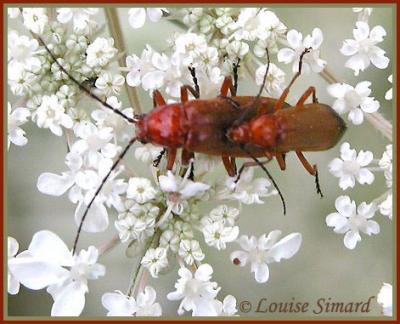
(230, 165)
(312, 169)
(282, 98)
(158, 99)
(171, 156)
(310, 91)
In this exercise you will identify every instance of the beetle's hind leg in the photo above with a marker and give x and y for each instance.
(195, 81)
(312, 169)
(310, 91)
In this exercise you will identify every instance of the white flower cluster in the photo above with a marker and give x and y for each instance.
(352, 167)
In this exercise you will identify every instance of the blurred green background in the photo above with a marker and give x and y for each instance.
(323, 267)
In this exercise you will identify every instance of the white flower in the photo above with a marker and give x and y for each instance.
(93, 141)
(363, 49)
(100, 52)
(122, 129)
(386, 207)
(16, 118)
(35, 19)
(363, 13)
(217, 234)
(44, 265)
(110, 84)
(12, 283)
(141, 190)
(264, 250)
(190, 251)
(145, 302)
(51, 114)
(385, 299)
(20, 80)
(119, 304)
(22, 50)
(79, 16)
(137, 221)
(196, 291)
(389, 93)
(275, 79)
(247, 190)
(254, 23)
(237, 49)
(170, 240)
(351, 167)
(225, 214)
(191, 15)
(385, 163)
(355, 101)
(137, 16)
(298, 45)
(227, 307)
(350, 220)
(147, 153)
(155, 260)
(179, 190)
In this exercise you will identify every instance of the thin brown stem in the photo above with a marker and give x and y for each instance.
(116, 33)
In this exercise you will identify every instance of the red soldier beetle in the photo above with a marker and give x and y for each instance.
(231, 127)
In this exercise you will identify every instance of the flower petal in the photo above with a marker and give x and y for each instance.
(350, 239)
(137, 17)
(96, 219)
(70, 301)
(53, 184)
(286, 247)
(261, 273)
(356, 116)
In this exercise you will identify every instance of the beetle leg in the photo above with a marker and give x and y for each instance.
(235, 68)
(184, 92)
(230, 166)
(227, 86)
(186, 156)
(247, 165)
(195, 81)
(280, 157)
(282, 98)
(157, 161)
(171, 155)
(312, 169)
(310, 91)
(158, 99)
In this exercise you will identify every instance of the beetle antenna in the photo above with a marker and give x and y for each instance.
(85, 213)
(135, 119)
(269, 176)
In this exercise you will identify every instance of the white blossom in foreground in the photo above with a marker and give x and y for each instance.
(297, 45)
(137, 16)
(386, 207)
(12, 250)
(350, 220)
(100, 52)
(35, 19)
(195, 290)
(275, 79)
(110, 84)
(247, 190)
(351, 166)
(80, 17)
(385, 299)
(22, 50)
(178, 191)
(44, 265)
(389, 93)
(155, 260)
(141, 190)
(190, 251)
(355, 101)
(51, 114)
(16, 118)
(119, 304)
(264, 250)
(363, 49)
